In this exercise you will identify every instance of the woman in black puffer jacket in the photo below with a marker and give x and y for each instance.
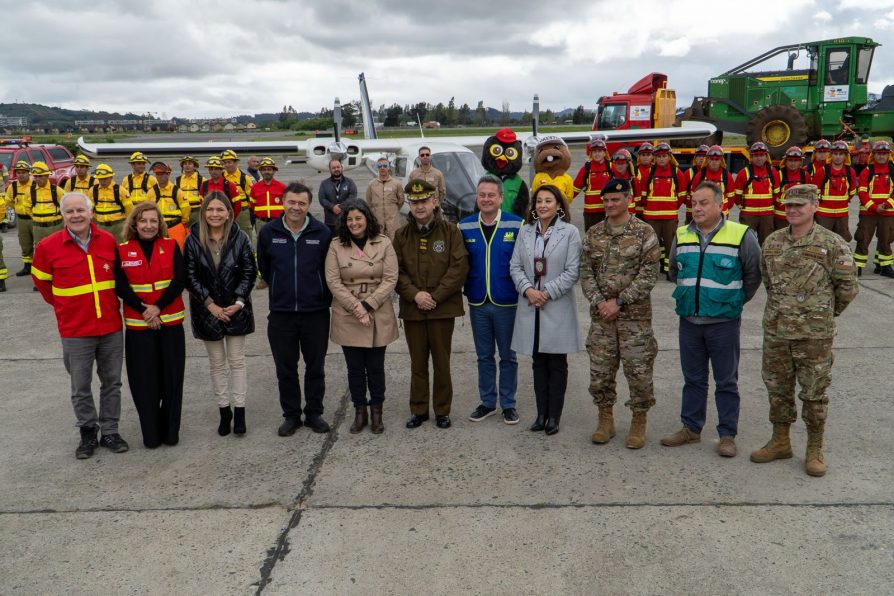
(220, 274)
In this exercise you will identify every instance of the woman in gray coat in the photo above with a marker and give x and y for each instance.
(544, 268)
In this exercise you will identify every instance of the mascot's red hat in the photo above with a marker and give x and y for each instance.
(506, 135)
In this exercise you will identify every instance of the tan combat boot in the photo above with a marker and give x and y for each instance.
(636, 438)
(605, 430)
(778, 447)
(815, 466)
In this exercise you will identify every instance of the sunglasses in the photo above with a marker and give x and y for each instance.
(425, 155)
(383, 166)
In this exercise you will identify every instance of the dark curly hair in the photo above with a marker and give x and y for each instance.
(373, 228)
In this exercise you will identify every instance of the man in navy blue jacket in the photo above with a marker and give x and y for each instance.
(490, 236)
(291, 258)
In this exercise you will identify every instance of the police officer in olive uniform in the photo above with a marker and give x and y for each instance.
(432, 267)
(810, 276)
(618, 269)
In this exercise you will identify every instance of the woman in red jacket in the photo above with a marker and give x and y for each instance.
(149, 279)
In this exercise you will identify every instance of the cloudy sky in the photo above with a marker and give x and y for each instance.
(227, 57)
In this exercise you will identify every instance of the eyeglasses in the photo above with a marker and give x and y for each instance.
(383, 166)
(425, 155)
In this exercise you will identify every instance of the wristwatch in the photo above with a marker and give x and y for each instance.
(620, 301)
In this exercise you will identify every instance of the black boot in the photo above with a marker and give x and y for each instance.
(226, 416)
(539, 423)
(26, 270)
(552, 426)
(238, 421)
(878, 269)
(887, 271)
(2, 285)
(859, 272)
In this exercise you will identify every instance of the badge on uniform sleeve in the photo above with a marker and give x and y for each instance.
(438, 246)
(106, 267)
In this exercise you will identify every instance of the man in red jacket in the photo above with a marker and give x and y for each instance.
(876, 187)
(663, 191)
(757, 188)
(590, 179)
(74, 269)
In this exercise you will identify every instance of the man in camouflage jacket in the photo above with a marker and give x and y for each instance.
(618, 268)
(810, 277)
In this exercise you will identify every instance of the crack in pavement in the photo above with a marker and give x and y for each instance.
(281, 547)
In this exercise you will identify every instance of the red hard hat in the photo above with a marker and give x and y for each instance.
(702, 150)
(645, 148)
(794, 152)
(822, 145)
(759, 147)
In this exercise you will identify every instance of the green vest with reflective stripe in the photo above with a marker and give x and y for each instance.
(709, 282)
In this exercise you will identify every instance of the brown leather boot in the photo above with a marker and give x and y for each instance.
(815, 465)
(636, 437)
(778, 447)
(361, 419)
(605, 430)
(376, 425)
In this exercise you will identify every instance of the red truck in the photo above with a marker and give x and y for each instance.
(647, 104)
(58, 159)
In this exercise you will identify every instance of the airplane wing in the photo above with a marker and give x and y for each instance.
(191, 148)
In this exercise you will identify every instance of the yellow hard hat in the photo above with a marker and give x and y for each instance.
(103, 171)
(82, 160)
(39, 168)
(214, 162)
(22, 165)
(229, 154)
(189, 158)
(268, 162)
(137, 157)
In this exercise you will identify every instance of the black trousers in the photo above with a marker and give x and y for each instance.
(155, 360)
(366, 369)
(289, 333)
(550, 378)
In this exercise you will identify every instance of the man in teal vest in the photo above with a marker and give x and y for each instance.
(716, 265)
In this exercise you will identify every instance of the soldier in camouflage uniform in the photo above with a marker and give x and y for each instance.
(810, 277)
(618, 268)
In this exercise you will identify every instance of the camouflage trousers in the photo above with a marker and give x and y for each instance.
(809, 361)
(631, 343)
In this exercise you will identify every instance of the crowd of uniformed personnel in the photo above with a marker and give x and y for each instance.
(798, 213)
(661, 186)
(36, 200)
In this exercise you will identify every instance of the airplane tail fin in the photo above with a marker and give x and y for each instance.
(369, 127)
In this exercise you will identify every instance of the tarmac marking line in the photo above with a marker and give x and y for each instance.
(281, 547)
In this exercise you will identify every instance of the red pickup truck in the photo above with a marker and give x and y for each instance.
(58, 158)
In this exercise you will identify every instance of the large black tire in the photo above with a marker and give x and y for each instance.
(779, 126)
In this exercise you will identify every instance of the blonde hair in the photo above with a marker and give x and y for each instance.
(204, 228)
(130, 227)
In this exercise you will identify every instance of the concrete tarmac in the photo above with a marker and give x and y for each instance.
(482, 508)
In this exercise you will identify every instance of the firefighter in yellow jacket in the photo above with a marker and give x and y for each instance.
(243, 183)
(18, 196)
(138, 183)
(82, 181)
(44, 197)
(111, 202)
(172, 203)
(190, 181)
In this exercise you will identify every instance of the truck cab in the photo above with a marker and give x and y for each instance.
(648, 103)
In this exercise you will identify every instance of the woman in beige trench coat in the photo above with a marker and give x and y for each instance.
(361, 270)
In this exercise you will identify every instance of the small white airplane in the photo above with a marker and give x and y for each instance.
(451, 154)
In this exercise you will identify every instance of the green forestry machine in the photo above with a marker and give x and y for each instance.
(794, 106)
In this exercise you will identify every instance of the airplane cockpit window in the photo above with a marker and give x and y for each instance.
(400, 167)
(461, 173)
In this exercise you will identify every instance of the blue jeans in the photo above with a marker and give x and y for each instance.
(719, 343)
(491, 325)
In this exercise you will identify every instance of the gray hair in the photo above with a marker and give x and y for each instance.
(76, 194)
(491, 179)
(714, 188)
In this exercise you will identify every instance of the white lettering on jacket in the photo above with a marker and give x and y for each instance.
(131, 263)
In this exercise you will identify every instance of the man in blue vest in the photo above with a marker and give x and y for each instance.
(489, 236)
(716, 265)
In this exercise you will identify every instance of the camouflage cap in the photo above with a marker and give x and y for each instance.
(801, 194)
(419, 190)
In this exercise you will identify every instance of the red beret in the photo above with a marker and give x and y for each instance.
(506, 135)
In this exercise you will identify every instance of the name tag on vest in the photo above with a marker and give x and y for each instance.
(131, 263)
(311, 241)
(279, 241)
